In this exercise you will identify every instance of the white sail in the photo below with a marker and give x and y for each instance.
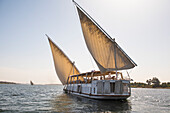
(106, 52)
(63, 66)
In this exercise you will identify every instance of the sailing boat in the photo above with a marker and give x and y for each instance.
(31, 83)
(109, 82)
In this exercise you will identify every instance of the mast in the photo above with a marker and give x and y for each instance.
(73, 67)
(115, 60)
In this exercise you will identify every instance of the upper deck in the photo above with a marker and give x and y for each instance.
(95, 75)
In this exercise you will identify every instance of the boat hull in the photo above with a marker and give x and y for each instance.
(101, 89)
(100, 97)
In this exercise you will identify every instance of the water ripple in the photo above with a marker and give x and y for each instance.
(50, 98)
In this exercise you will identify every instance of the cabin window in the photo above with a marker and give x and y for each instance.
(126, 88)
(94, 90)
(78, 88)
(112, 87)
(129, 88)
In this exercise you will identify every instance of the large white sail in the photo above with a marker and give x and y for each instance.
(63, 66)
(106, 52)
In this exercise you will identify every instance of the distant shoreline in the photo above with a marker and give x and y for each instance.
(153, 88)
(132, 86)
(4, 82)
(164, 85)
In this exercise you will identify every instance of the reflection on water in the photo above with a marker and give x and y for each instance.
(50, 98)
(71, 103)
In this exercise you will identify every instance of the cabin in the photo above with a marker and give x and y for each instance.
(97, 83)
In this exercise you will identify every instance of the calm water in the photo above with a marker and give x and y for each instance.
(50, 98)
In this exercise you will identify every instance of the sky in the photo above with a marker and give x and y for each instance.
(140, 27)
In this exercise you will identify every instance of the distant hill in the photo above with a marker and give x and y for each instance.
(4, 82)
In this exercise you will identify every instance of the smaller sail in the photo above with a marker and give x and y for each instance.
(63, 66)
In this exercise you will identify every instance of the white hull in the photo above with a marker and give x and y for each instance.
(95, 91)
(102, 97)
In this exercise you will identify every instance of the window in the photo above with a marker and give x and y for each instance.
(112, 87)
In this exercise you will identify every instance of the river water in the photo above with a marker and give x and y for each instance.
(50, 98)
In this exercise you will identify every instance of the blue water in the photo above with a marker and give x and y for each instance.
(50, 98)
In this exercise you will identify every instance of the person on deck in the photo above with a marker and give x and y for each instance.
(109, 76)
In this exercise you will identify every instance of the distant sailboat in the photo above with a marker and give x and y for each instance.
(31, 83)
(109, 57)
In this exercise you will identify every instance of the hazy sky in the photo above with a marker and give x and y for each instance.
(140, 27)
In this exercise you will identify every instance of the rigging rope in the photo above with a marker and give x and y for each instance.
(92, 62)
